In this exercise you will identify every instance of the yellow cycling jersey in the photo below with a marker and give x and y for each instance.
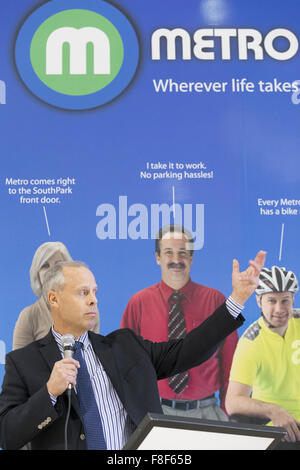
(270, 364)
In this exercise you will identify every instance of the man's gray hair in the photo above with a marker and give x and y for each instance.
(41, 256)
(55, 279)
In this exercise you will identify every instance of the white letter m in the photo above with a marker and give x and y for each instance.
(78, 40)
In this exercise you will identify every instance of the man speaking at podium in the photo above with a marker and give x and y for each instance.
(112, 379)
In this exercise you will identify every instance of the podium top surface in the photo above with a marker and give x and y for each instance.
(161, 432)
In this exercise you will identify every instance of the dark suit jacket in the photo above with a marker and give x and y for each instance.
(133, 365)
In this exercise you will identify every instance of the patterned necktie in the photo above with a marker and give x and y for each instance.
(88, 406)
(177, 329)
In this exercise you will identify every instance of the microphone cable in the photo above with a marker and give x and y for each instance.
(68, 345)
(67, 417)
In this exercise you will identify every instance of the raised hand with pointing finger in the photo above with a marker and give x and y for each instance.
(244, 283)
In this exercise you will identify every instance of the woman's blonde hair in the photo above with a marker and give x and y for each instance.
(41, 256)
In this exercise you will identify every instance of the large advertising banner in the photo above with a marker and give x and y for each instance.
(118, 117)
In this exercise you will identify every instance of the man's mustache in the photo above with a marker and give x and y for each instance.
(176, 265)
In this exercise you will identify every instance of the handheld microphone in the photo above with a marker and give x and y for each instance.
(68, 342)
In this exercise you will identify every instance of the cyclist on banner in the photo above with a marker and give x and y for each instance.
(265, 374)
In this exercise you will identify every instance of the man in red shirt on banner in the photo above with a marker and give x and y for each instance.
(169, 310)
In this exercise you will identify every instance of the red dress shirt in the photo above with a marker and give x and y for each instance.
(147, 314)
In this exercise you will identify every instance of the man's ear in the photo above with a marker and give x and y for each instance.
(53, 299)
(157, 257)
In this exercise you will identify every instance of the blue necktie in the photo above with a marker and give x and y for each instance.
(88, 406)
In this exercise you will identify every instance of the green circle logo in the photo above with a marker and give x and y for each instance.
(76, 52)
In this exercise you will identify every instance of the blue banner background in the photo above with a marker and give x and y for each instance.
(249, 140)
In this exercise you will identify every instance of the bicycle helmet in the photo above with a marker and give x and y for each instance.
(276, 279)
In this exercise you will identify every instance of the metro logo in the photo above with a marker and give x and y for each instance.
(77, 54)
